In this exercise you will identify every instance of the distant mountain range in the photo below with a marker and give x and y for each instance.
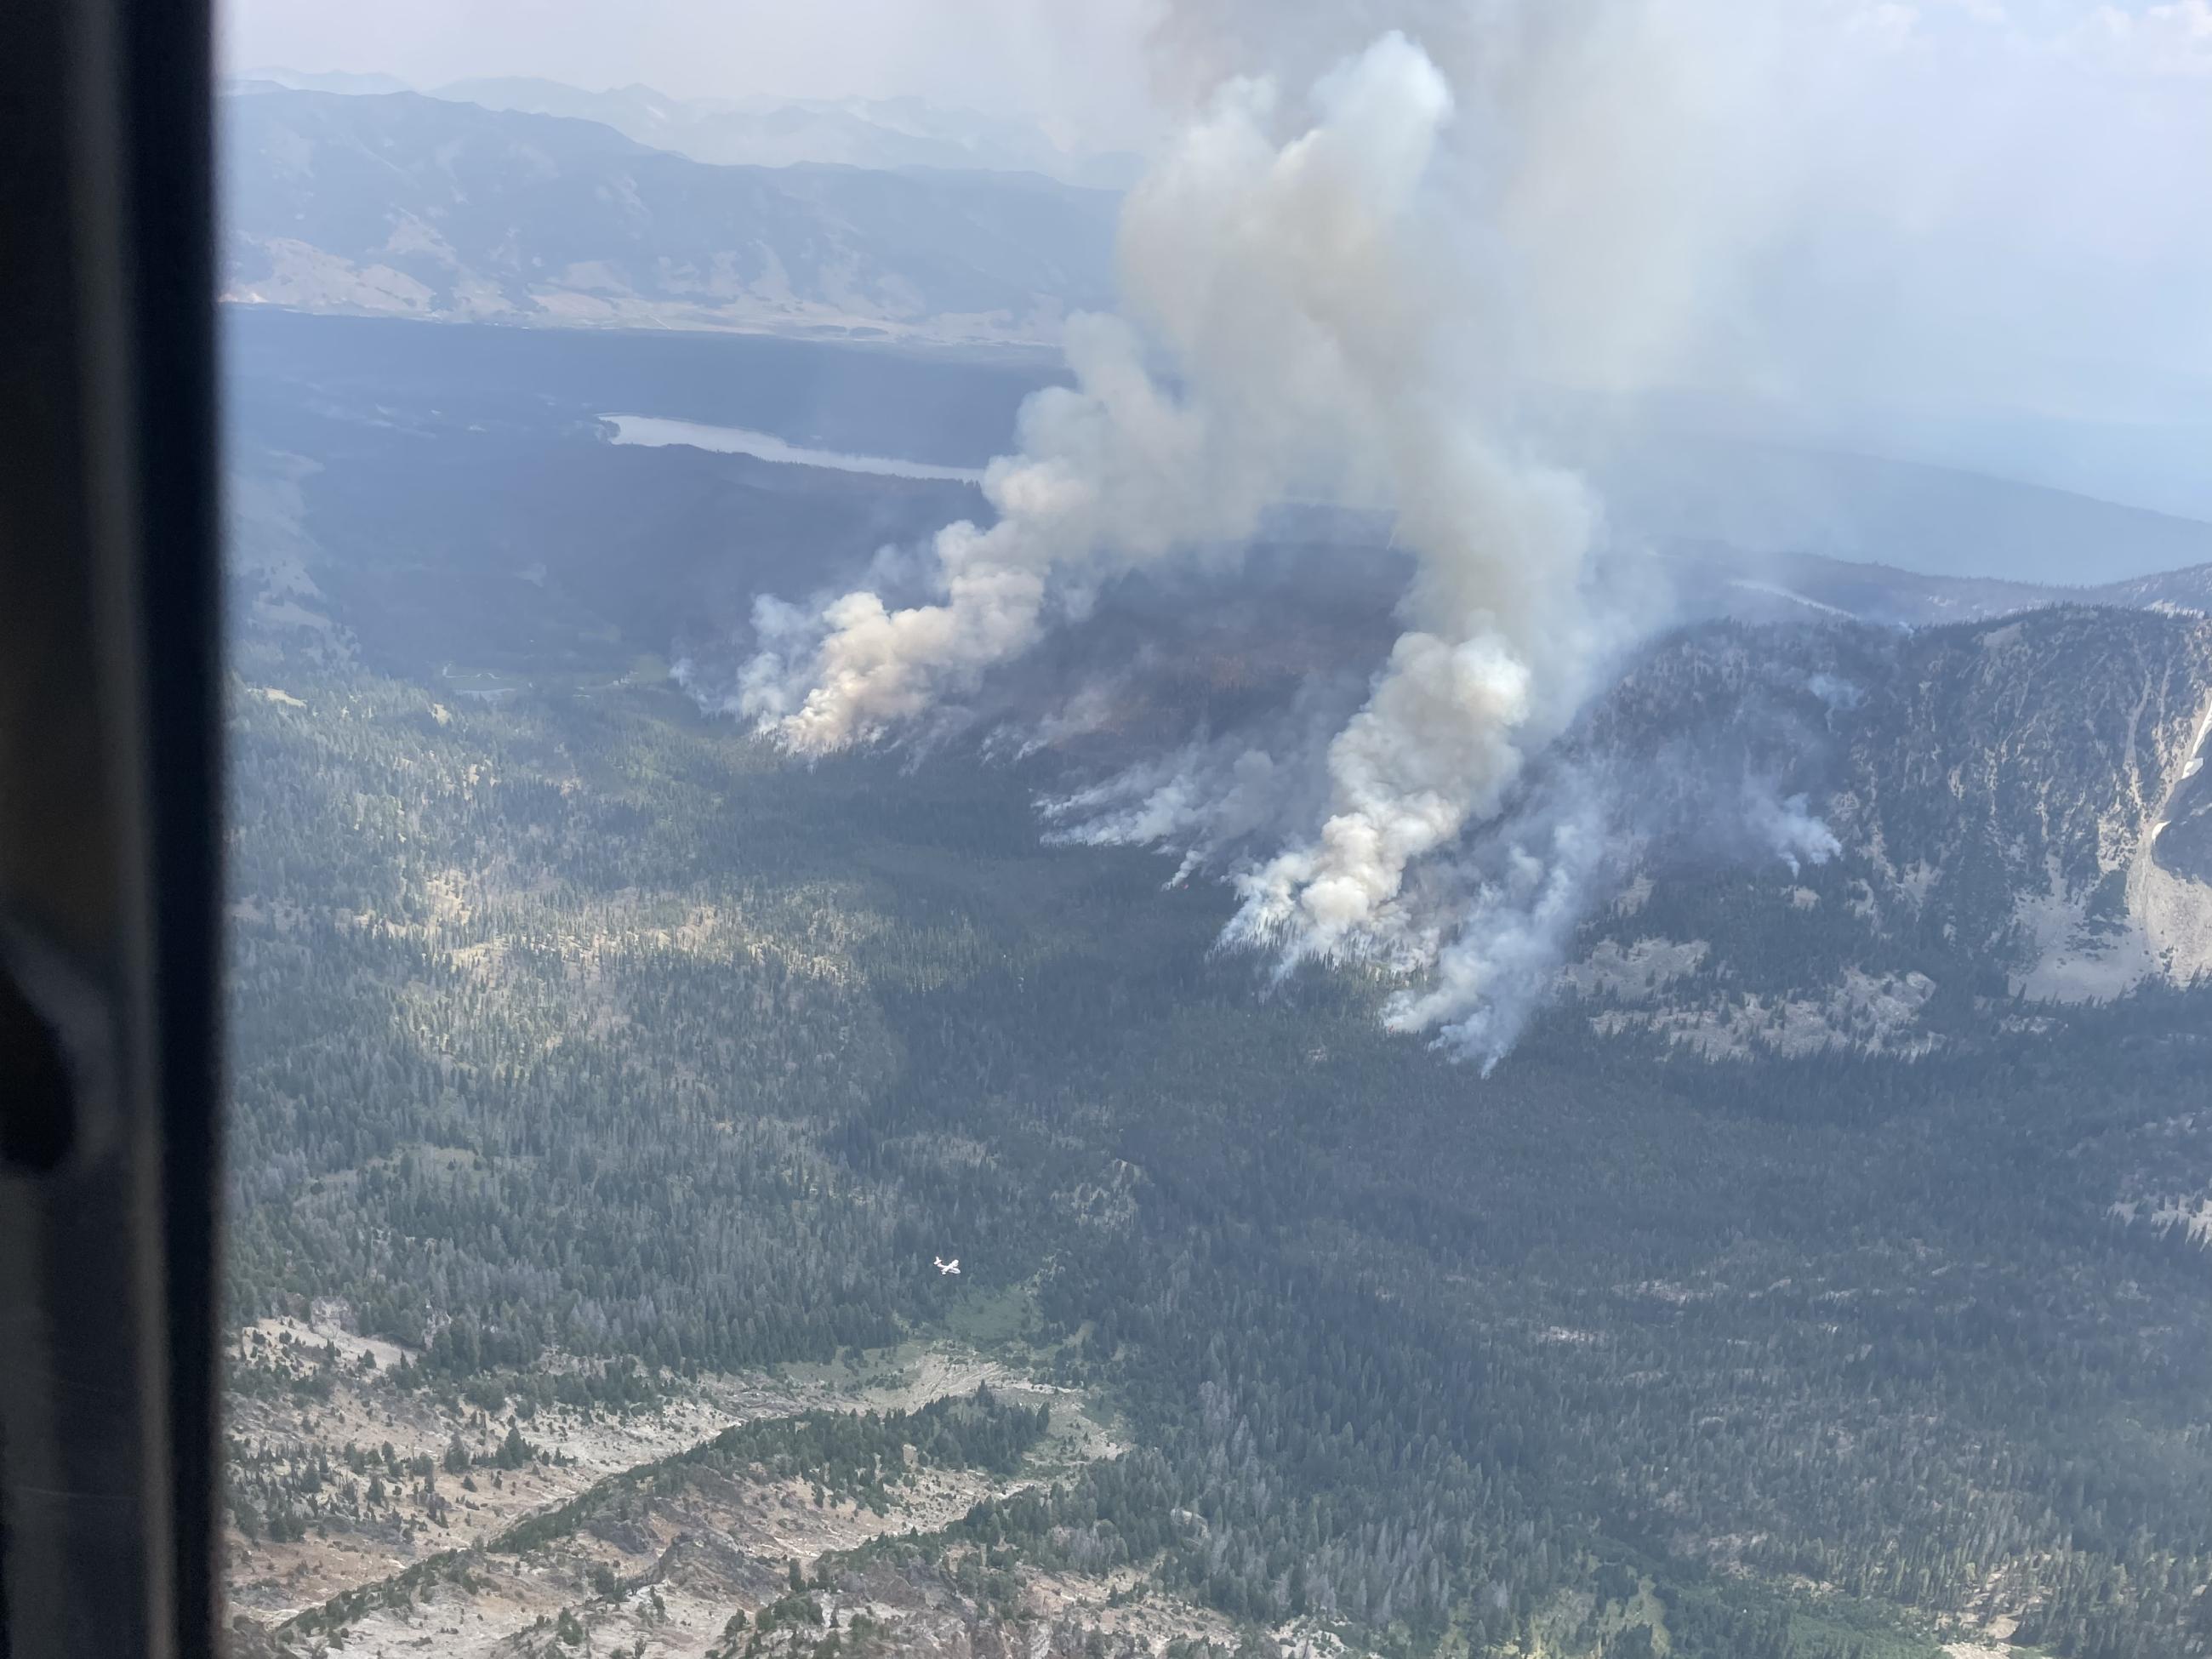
(423, 207)
(397, 204)
(887, 133)
(1710, 578)
(1671, 488)
(346, 82)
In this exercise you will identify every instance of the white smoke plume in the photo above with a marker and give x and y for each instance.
(1289, 290)
(1520, 894)
(1346, 299)
(1215, 800)
(1497, 970)
(1326, 343)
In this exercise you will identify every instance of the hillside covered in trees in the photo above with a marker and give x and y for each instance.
(1822, 1274)
(577, 1028)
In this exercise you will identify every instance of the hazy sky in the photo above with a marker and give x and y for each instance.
(1077, 63)
(1982, 228)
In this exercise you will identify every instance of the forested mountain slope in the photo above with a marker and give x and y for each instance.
(2000, 798)
(1823, 1275)
(576, 1032)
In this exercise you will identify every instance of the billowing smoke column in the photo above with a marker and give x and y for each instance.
(1323, 343)
(1494, 972)
(1285, 290)
(1812, 207)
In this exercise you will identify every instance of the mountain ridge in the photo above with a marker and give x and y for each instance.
(889, 134)
(1996, 794)
(1767, 497)
(760, 130)
(408, 205)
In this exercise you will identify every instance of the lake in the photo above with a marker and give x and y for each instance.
(949, 407)
(655, 430)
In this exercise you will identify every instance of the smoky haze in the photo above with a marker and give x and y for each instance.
(1443, 265)
(1078, 70)
(1362, 272)
(1962, 231)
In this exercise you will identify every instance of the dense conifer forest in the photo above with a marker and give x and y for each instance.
(584, 1046)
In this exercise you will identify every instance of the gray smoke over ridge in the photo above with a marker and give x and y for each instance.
(1220, 802)
(1345, 302)
(1503, 911)
(1314, 330)
(1320, 331)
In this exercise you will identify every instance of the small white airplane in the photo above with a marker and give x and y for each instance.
(945, 1267)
